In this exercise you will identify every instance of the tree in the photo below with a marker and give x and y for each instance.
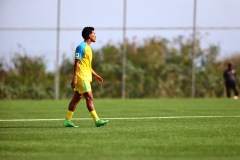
(158, 68)
(27, 78)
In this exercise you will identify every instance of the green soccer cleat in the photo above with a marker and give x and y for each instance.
(67, 123)
(101, 122)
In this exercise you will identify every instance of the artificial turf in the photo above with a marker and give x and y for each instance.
(138, 129)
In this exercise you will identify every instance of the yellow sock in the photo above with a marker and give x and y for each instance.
(94, 115)
(69, 115)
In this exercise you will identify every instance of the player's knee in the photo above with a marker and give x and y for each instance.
(89, 98)
(79, 97)
(76, 99)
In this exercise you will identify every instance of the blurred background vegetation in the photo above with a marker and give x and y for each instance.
(159, 68)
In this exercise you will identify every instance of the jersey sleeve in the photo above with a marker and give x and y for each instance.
(79, 52)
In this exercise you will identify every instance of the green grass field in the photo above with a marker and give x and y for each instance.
(138, 129)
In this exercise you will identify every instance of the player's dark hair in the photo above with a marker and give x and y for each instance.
(229, 64)
(86, 32)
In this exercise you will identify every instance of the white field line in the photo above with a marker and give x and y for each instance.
(126, 118)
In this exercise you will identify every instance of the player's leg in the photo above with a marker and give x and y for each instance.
(71, 108)
(89, 102)
(235, 92)
(228, 90)
(75, 99)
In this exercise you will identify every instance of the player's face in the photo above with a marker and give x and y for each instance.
(93, 36)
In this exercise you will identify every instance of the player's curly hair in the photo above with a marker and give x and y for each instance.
(86, 32)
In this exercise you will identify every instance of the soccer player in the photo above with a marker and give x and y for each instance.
(82, 77)
(230, 81)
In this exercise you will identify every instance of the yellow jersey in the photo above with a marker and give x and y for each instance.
(84, 54)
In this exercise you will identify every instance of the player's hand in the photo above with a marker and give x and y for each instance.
(74, 82)
(99, 79)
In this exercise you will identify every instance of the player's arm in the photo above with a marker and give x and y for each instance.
(98, 78)
(74, 81)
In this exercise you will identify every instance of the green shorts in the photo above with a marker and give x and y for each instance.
(83, 86)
